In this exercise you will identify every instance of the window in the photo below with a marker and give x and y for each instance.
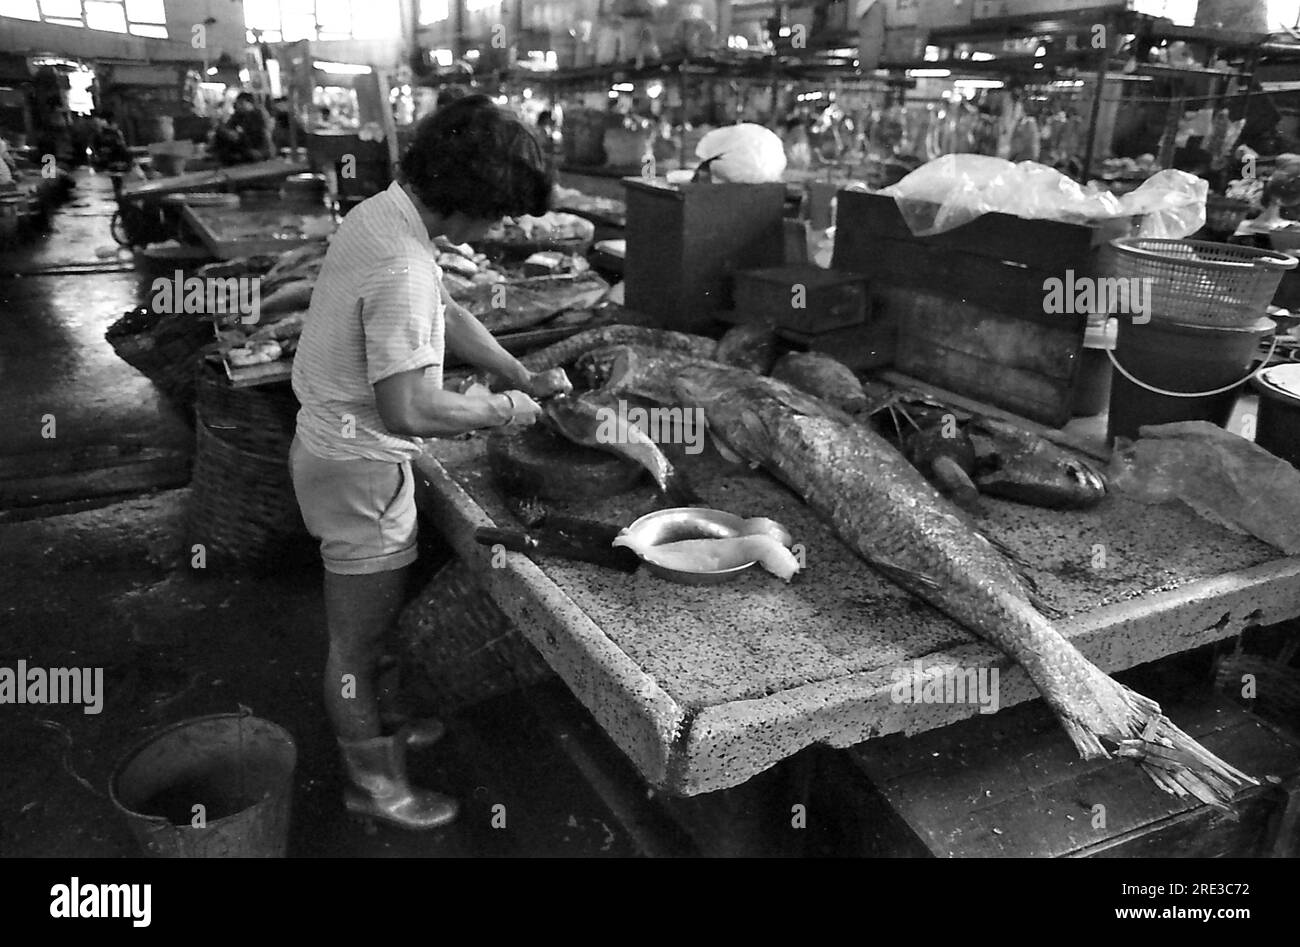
(105, 15)
(434, 11)
(20, 9)
(290, 20)
(138, 17)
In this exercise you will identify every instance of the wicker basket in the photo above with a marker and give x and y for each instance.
(166, 349)
(1199, 283)
(1225, 214)
(260, 420)
(242, 506)
(459, 647)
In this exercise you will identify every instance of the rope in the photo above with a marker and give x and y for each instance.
(1193, 394)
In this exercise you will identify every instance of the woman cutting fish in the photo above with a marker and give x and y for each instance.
(368, 373)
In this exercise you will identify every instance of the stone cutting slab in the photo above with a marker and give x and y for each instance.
(705, 686)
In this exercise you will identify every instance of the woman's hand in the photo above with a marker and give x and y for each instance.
(553, 381)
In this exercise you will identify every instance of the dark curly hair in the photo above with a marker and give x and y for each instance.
(474, 157)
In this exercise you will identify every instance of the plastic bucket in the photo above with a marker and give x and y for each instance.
(1277, 429)
(1181, 360)
(1092, 383)
(237, 767)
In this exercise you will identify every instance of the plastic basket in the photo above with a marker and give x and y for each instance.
(1199, 283)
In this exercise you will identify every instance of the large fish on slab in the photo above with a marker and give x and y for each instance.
(880, 505)
(566, 350)
(594, 421)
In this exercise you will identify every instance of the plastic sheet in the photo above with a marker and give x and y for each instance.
(743, 154)
(1223, 477)
(955, 189)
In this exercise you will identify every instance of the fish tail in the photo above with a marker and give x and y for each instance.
(1136, 728)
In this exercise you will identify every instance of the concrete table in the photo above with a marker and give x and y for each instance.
(704, 687)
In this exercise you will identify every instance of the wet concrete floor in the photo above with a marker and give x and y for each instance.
(89, 579)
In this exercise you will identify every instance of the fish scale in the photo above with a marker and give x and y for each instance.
(880, 505)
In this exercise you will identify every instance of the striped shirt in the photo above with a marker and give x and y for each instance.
(376, 311)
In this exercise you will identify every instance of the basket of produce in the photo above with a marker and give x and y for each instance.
(1196, 282)
(517, 238)
(1225, 214)
(242, 507)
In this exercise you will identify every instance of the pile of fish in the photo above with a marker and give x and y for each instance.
(881, 506)
(501, 301)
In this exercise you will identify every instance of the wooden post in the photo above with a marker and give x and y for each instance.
(1102, 62)
(386, 119)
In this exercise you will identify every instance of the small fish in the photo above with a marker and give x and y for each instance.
(717, 554)
(1018, 465)
(822, 376)
(751, 346)
(289, 297)
(596, 422)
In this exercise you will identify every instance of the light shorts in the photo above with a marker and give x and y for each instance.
(362, 511)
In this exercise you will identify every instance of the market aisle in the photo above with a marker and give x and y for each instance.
(104, 588)
(112, 433)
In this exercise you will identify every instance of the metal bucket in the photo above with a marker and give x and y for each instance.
(238, 768)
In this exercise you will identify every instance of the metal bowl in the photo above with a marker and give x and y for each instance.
(689, 522)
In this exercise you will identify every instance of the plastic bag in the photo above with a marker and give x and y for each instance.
(955, 189)
(1223, 477)
(743, 154)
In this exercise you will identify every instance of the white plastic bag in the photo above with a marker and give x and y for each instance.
(955, 189)
(743, 154)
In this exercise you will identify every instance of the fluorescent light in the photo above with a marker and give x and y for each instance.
(928, 73)
(623, 87)
(341, 68)
(982, 57)
(212, 70)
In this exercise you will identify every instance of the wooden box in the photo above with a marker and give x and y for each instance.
(685, 243)
(803, 297)
(1012, 785)
(968, 305)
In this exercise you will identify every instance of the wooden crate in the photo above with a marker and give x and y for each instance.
(1011, 785)
(968, 305)
(684, 245)
(802, 297)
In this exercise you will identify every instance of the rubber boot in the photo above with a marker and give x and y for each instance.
(379, 788)
(421, 733)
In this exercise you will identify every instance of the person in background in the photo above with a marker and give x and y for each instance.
(246, 136)
(109, 144)
(368, 374)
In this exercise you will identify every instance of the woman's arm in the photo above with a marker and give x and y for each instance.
(411, 406)
(468, 339)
